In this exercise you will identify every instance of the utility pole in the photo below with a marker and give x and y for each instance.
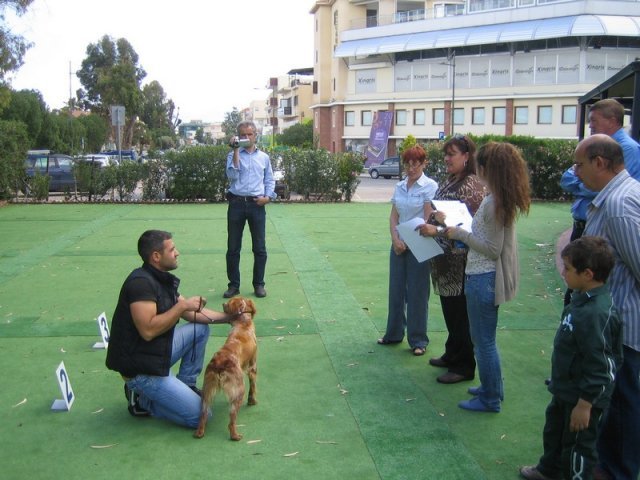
(452, 63)
(70, 97)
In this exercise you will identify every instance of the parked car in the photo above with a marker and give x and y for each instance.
(100, 158)
(58, 167)
(387, 169)
(124, 154)
(281, 188)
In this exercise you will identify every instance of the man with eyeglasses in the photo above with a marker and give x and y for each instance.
(606, 117)
(615, 215)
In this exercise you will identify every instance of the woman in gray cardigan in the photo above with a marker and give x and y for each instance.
(492, 269)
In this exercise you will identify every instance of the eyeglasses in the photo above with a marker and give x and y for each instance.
(412, 163)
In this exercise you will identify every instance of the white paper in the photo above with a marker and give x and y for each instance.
(457, 213)
(423, 248)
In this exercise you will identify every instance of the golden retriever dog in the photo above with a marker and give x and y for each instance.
(225, 370)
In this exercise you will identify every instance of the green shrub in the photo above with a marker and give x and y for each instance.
(154, 180)
(90, 179)
(13, 152)
(120, 179)
(350, 166)
(37, 187)
(547, 160)
(320, 175)
(197, 173)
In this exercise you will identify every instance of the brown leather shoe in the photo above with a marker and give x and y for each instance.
(231, 292)
(438, 362)
(451, 377)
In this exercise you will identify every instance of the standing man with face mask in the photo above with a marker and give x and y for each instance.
(251, 188)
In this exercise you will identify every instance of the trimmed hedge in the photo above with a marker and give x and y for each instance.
(198, 173)
(547, 160)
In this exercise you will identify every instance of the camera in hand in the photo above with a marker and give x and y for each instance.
(240, 142)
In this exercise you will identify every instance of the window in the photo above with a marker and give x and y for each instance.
(66, 162)
(418, 116)
(349, 119)
(545, 114)
(438, 116)
(458, 116)
(499, 115)
(477, 116)
(521, 115)
(401, 117)
(569, 113)
(41, 163)
(365, 118)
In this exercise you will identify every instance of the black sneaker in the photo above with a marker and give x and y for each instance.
(132, 403)
(196, 390)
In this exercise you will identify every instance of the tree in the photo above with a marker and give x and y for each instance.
(12, 47)
(96, 132)
(28, 107)
(231, 121)
(157, 112)
(298, 135)
(62, 133)
(13, 152)
(110, 75)
(199, 137)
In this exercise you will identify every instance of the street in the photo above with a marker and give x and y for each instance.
(378, 190)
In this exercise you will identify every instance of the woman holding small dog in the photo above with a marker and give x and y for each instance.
(408, 279)
(492, 264)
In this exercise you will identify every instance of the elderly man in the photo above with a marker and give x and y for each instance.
(607, 116)
(251, 187)
(615, 215)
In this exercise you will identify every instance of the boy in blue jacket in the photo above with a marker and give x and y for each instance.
(587, 350)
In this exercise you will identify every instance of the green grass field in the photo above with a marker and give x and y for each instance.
(332, 403)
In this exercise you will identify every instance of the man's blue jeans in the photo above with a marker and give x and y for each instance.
(240, 212)
(480, 291)
(170, 397)
(409, 289)
(619, 440)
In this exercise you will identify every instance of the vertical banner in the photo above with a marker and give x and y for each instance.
(378, 137)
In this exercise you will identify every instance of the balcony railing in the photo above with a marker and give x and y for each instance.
(285, 112)
(447, 10)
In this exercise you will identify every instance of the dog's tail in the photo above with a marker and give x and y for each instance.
(221, 365)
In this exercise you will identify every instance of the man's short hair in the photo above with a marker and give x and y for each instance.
(604, 146)
(246, 123)
(593, 253)
(152, 241)
(609, 108)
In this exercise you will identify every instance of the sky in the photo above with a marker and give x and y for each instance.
(208, 55)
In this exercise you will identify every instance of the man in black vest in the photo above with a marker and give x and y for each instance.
(145, 340)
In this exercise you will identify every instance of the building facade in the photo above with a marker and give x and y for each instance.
(504, 67)
(289, 100)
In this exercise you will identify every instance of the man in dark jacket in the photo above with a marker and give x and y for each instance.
(145, 340)
(587, 351)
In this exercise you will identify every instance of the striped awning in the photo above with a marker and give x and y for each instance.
(571, 26)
